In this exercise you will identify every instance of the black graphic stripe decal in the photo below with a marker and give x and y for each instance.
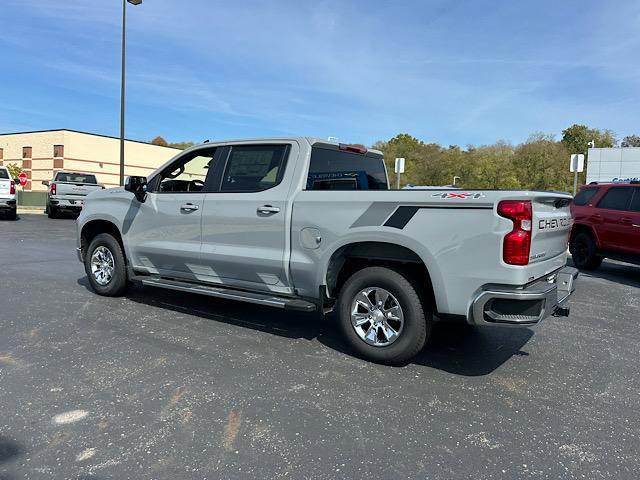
(401, 217)
(405, 213)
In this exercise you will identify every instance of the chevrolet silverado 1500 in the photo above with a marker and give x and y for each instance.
(310, 225)
(68, 190)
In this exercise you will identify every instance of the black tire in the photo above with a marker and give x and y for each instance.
(117, 285)
(584, 252)
(52, 212)
(417, 315)
(13, 214)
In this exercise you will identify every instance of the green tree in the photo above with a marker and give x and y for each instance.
(542, 163)
(576, 138)
(181, 145)
(631, 141)
(14, 170)
(490, 166)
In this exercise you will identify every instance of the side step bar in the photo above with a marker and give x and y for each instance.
(230, 294)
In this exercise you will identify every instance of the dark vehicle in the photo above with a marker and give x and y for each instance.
(606, 224)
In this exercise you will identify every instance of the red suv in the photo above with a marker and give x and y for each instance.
(606, 224)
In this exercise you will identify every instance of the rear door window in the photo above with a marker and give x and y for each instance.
(4, 175)
(616, 198)
(254, 168)
(585, 196)
(332, 169)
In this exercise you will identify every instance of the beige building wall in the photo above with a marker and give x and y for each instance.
(81, 152)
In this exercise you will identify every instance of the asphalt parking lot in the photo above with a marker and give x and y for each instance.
(162, 384)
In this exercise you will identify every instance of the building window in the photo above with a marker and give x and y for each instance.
(1, 154)
(58, 163)
(26, 164)
(26, 152)
(58, 151)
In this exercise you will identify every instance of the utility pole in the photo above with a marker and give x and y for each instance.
(124, 29)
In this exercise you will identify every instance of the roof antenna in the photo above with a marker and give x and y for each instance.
(206, 141)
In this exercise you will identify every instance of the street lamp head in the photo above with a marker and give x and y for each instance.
(135, 2)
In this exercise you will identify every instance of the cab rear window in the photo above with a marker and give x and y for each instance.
(585, 196)
(4, 175)
(76, 178)
(339, 170)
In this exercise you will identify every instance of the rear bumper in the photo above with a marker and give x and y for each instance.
(7, 203)
(67, 203)
(528, 305)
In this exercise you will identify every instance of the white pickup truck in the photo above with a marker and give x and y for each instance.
(309, 225)
(8, 203)
(68, 190)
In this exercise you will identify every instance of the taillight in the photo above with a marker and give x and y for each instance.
(12, 188)
(352, 148)
(53, 189)
(517, 243)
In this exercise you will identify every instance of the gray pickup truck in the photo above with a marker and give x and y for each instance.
(68, 190)
(310, 225)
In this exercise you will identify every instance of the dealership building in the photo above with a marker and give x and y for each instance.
(621, 164)
(43, 153)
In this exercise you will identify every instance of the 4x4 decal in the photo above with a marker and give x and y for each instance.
(459, 195)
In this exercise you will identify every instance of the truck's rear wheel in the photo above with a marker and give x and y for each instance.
(105, 266)
(382, 316)
(585, 252)
(52, 212)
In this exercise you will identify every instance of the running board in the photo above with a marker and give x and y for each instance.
(230, 294)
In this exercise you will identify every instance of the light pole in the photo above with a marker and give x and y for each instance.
(124, 28)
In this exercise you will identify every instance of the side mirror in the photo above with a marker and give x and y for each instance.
(45, 183)
(137, 186)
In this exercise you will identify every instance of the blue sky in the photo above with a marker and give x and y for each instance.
(451, 72)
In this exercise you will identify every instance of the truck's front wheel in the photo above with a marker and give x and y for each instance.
(105, 266)
(382, 316)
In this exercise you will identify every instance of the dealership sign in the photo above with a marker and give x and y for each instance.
(613, 165)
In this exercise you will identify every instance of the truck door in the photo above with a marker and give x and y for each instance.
(165, 233)
(610, 212)
(245, 224)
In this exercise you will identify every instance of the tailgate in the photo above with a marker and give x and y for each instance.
(551, 227)
(75, 189)
(5, 187)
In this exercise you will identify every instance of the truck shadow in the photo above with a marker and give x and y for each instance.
(457, 349)
(9, 451)
(622, 273)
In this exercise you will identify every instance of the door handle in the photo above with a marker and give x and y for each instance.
(266, 209)
(189, 207)
(626, 221)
